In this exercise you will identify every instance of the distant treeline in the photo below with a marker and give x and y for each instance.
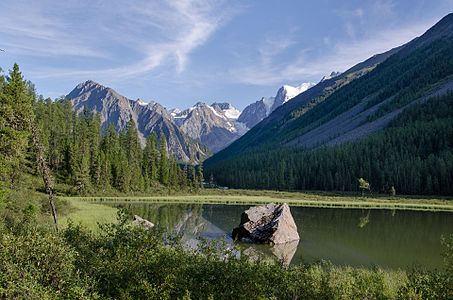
(414, 154)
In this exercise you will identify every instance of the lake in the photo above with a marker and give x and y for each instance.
(390, 239)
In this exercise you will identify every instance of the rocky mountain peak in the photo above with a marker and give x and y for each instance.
(330, 76)
(116, 109)
(288, 92)
(227, 110)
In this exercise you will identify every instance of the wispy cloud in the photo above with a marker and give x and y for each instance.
(342, 56)
(155, 34)
(28, 29)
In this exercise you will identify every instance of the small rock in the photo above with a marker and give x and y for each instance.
(271, 223)
(142, 222)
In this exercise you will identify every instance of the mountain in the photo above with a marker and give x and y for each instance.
(287, 92)
(353, 108)
(116, 109)
(227, 110)
(213, 125)
(330, 76)
(259, 110)
(255, 112)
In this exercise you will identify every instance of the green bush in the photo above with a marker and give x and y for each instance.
(39, 265)
(128, 262)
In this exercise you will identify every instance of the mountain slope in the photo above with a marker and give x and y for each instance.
(214, 125)
(118, 110)
(357, 103)
(259, 110)
(414, 154)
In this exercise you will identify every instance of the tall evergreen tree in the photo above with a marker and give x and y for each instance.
(16, 114)
(134, 155)
(150, 158)
(164, 169)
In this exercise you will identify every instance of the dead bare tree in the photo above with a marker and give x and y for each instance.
(44, 170)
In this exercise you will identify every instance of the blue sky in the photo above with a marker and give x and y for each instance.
(180, 52)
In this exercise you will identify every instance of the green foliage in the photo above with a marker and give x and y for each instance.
(363, 184)
(426, 285)
(400, 157)
(15, 116)
(124, 261)
(39, 265)
(90, 159)
(164, 168)
(129, 262)
(414, 155)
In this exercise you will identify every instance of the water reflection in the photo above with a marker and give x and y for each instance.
(388, 238)
(363, 221)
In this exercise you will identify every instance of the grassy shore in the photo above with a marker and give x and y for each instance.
(307, 199)
(88, 214)
(90, 211)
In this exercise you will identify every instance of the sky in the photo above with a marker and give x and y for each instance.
(179, 52)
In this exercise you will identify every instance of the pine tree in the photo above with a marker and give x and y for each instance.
(16, 114)
(163, 162)
(150, 158)
(94, 127)
(134, 155)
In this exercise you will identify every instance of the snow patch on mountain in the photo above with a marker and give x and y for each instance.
(216, 113)
(268, 103)
(259, 110)
(232, 113)
(141, 102)
(292, 91)
(332, 75)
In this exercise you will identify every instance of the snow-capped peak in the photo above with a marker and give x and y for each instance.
(227, 110)
(174, 112)
(289, 92)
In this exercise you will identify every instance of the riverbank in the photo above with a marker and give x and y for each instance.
(307, 199)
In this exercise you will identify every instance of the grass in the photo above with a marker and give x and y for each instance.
(89, 214)
(310, 199)
(89, 211)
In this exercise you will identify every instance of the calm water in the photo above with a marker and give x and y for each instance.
(386, 238)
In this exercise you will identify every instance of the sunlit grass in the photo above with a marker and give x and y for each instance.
(323, 200)
(89, 214)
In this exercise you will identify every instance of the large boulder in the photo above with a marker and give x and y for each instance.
(271, 223)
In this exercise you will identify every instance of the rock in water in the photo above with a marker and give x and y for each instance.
(271, 223)
(142, 222)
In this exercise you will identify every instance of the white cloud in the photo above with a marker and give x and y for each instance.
(26, 29)
(342, 56)
(152, 34)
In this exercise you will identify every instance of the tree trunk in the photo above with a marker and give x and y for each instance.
(45, 171)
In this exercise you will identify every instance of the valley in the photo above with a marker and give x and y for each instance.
(333, 185)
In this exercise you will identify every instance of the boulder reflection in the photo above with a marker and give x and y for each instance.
(282, 253)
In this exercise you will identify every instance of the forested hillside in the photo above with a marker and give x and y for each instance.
(414, 154)
(287, 150)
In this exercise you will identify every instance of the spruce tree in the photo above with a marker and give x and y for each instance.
(16, 114)
(163, 162)
(150, 158)
(134, 155)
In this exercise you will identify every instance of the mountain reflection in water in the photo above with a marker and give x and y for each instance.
(393, 239)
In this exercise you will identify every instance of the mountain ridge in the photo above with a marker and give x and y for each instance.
(116, 109)
(352, 106)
